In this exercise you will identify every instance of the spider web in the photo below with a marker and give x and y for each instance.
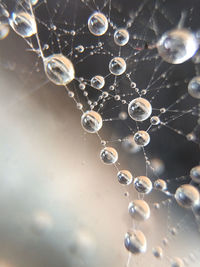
(174, 147)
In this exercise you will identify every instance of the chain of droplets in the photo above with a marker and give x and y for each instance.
(139, 109)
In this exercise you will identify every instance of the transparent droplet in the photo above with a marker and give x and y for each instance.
(155, 120)
(4, 30)
(139, 210)
(142, 138)
(177, 262)
(194, 87)
(97, 82)
(23, 24)
(160, 184)
(91, 121)
(130, 145)
(80, 48)
(135, 242)
(125, 177)
(195, 174)
(139, 109)
(143, 184)
(97, 24)
(117, 66)
(187, 196)
(59, 69)
(177, 46)
(109, 155)
(157, 252)
(121, 37)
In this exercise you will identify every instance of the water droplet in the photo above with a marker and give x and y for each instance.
(139, 210)
(155, 120)
(23, 24)
(125, 177)
(194, 87)
(195, 174)
(97, 24)
(139, 109)
(91, 121)
(117, 66)
(142, 138)
(80, 48)
(59, 69)
(177, 262)
(121, 37)
(157, 252)
(160, 184)
(97, 82)
(187, 196)
(143, 184)
(109, 155)
(177, 46)
(135, 242)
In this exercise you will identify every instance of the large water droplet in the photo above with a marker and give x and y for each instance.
(187, 196)
(59, 69)
(135, 241)
(97, 24)
(139, 210)
(117, 66)
(143, 184)
(194, 87)
(139, 109)
(109, 155)
(91, 121)
(177, 46)
(121, 37)
(23, 24)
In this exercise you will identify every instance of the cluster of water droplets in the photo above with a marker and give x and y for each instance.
(175, 47)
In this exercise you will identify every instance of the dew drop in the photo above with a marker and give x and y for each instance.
(194, 87)
(177, 46)
(139, 210)
(98, 24)
(124, 177)
(59, 69)
(135, 242)
(91, 121)
(139, 109)
(109, 155)
(121, 37)
(117, 66)
(195, 174)
(187, 196)
(97, 82)
(158, 252)
(160, 184)
(142, 138)
(155, 120)
(177, 262)
(23, 24)
(143, 184)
